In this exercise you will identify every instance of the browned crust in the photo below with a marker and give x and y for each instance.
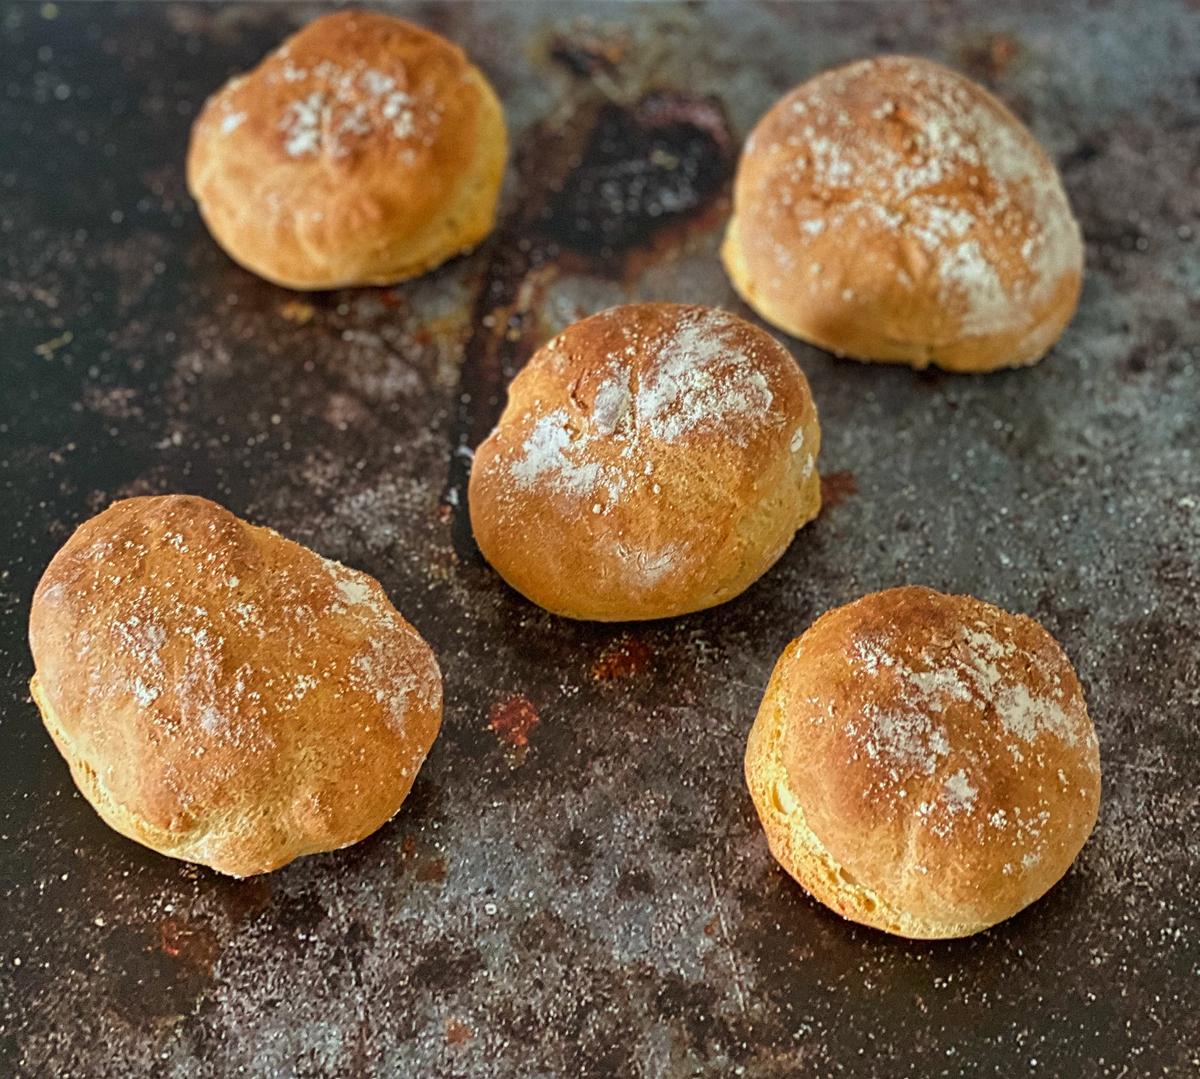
(364, 150)
(652, 460)
(222, 694)
(924, 763)
(893, 210)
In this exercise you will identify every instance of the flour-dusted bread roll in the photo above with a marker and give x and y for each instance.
(222, 694)
(652, 460)
(364, 150)
(924, 763)
(894, 210)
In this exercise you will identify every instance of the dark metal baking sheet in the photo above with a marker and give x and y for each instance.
(577, 885)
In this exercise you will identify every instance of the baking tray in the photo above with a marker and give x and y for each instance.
(578, 885)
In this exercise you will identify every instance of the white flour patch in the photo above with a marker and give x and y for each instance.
(644, 569)
(337, 106)
(612, 404)
(145, 695)
(958, 794)
(549, 453)
(700, 379)
(355, 590)
(902, 736)
(302, 124)
(690, 379)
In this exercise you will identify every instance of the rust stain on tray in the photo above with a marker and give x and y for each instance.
(513, 719)
(622, 658)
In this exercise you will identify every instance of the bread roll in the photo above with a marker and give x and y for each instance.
(893, 210)
(224, 695)
(363, 151)
(652, 460)
(924, 763)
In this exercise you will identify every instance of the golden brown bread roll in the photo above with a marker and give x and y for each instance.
(364, 150)
(224, 695)
(924, 763)
(652, 460)
(893, 210)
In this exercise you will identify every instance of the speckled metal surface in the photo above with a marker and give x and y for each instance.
(578, 885)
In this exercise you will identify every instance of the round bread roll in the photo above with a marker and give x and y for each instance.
(652, 460)
(924, 763)
(363, 151)
(893, 210)
(224, 695)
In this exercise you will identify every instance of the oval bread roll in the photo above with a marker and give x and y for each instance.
(223, 695)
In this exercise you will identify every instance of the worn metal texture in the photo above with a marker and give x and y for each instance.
(578, 885)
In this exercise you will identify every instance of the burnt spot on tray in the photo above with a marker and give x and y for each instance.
(991, 57)
(426, 866)
(643, 167)
(243, 900)
(433, 871)
(586, 54)
(836, 487)
(576, 852)
(448, 967)
(192, 942)
(634, 883)
(157, 976)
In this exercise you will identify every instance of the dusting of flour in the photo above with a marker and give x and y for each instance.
(698, 378)
(910, 737)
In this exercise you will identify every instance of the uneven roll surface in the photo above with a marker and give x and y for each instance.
(924, 763)
(364, 150)
(223, 695)
(652, 460)
(893, 210)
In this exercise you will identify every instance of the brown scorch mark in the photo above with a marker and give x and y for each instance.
(432, 871)
(992, 57)
(297, 311)
(189, 942)
(457, 1032)
(425, 866)
(836, 487)
(588, 52)
(642, 167)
